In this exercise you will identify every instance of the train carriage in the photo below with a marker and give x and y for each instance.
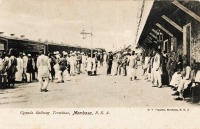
(21, 45)
(33, 47)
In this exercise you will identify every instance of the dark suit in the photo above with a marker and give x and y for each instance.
(109, 60)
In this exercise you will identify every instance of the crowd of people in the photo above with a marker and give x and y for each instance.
(171, 69)
(161, 68)
(17, 67)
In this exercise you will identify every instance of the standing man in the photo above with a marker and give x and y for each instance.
(132, 66)
(104, 58)
(83, 63)
(44, 68)
(171, 66)
(18, 74)
(3, 68)
(78, 62)
(98, 56)
(124, 63)
(72, 64)
(63, 73)
(29, 69)
(157, 69)
(109, 60)
(25, 62)
(89, 65)
(12, 69)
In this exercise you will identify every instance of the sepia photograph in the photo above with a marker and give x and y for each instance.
(107, 58)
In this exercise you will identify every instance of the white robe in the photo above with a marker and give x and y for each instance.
(43, 66)
(18, 74)
(176, 78)
(25, 62)
(89, 64)
(94, 65)
(72, 65)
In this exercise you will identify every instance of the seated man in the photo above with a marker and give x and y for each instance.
(197, 79)
(176, 78)
(184, 83)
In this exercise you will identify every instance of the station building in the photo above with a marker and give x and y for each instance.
(172, 26)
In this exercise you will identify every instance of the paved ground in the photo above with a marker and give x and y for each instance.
(95, 91)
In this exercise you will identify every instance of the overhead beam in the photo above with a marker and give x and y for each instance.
(149, 40)
(172, 23)
(156, 32)
(153, 35)
(192, 14)
(149, 37)
(165, 30)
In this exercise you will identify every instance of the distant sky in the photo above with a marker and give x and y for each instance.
(113, 22)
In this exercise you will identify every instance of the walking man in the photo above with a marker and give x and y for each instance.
(44, 68)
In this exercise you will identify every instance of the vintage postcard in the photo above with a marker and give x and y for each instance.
(99, 64)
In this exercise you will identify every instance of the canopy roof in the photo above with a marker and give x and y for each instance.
(170, 10)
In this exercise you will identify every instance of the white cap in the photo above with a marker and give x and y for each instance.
(65, 53)
(125, 53)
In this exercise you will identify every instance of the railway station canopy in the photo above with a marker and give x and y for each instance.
(177, 21)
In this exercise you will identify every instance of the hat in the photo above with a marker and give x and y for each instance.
(82, 53)
(20, 53)
(24, 54)
(125, 53)
(29, 54)
(65, 53)
(57, 52)
(78, 51)
(70, 51)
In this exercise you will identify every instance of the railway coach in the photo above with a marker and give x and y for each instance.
(33, 47)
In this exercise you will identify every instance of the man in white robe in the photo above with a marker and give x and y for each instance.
(25, 62)
(83, 64)
(44, 69)
(157, 70)
(132, 68)
(20, 67)
(184, 83)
